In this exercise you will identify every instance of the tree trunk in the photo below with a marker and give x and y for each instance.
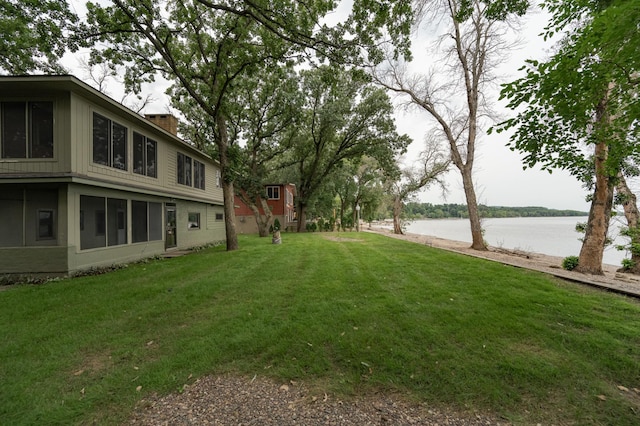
(477, 234)
(229, 215)
(397, 210)
(595, 238)
(630, 206)
(227, 183)
(302, 217)
(262, 220)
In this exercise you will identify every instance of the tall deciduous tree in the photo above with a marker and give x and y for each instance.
(359, 187)
(35, 35)
(453, 93)
(369, 179)
(265, 114)
(580, 109)
(344, 117)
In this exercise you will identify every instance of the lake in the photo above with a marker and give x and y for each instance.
(555, 236)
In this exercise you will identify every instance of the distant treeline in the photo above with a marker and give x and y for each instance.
(440, 211)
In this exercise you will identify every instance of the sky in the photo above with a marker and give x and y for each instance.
(498, 173)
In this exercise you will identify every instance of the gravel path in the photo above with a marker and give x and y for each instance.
(229, 400)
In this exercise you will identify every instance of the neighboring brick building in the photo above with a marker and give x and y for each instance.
(279, 199)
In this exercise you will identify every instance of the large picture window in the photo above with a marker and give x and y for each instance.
(139, 221)
(26, 129)
(28, 216)
(145, 157)
(103, 222)
(190, 172)
(109, 143)
(146, 221)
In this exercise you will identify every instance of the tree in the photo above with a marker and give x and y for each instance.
(454, 92)
(358, 184)
(265, 114)
(345, 186)
(35, 35)
(205, 48)
(344, 117)
(406, 183)
(580, 108)
(369, 179)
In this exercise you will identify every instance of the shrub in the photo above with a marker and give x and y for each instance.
(628, 264)
(570, 263)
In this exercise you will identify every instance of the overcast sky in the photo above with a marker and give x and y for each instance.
(499, 177)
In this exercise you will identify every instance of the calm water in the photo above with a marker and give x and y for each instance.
(555, 236)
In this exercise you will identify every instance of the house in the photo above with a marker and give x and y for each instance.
(279, 198)
(86, 182)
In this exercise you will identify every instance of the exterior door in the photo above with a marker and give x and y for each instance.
(171, 239)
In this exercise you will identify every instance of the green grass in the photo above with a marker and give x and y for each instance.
(346, 317)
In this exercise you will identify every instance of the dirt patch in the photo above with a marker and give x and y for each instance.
(93, 364)
(343, 239)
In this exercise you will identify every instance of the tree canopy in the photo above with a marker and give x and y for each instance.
(343, 117)
(599, 57)
(35, 35)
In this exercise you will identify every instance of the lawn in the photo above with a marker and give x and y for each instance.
(348, 315)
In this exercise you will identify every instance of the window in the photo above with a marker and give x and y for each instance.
(139, 222)
(145, 157)
(103, 222)
(146, 221)
(26, 129)
(219, 216)
(109, 143)
(116, 221)
(273, 192)
(29, 216)
(155, 222)
(198, 174)
(218, 179)
(45, 224)
(187, 171)
(194, 220)
(190, 172)
(92, 225)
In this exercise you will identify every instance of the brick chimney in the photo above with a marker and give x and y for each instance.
(167, 121)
